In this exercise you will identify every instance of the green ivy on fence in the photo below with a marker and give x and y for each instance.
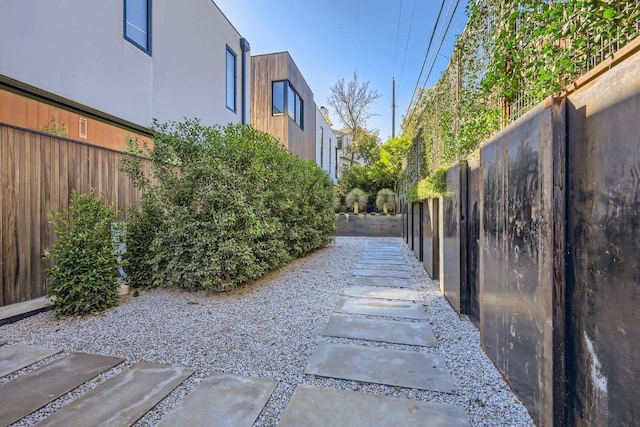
(511, 56)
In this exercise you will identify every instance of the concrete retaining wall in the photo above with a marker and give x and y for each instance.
(369, 225)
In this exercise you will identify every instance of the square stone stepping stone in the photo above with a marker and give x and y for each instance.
(405, 310)
(409, 369)
(382, 265)
(223, 401)
(381, 273)
(123, 399)
(381, 292)
(16, 357)
(320, 407)
(381, 330)
(34, 390)
(392, 282)
(375, 261)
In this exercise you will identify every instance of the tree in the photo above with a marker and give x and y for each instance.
(391, 156)
(351, 102)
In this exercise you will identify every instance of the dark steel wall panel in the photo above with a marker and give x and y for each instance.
(410, 225)
(517, 255)
(473, 240)
(603, 281)
(453, 262)
(417, 230)
(431, 246)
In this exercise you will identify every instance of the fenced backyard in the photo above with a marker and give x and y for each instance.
(38, 171)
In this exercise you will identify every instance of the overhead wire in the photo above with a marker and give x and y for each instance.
(426, 54)
(406, 46)
(433, 62)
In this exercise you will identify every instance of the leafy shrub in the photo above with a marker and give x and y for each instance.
(228, 205)
(356, 199)
(385, 200)
(84, 272)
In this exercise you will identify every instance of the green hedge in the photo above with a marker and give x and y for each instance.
(226, 205)
(84, 268)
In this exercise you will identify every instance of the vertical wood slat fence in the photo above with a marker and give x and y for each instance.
(37, 175)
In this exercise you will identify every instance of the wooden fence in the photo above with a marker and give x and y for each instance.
(37, 174)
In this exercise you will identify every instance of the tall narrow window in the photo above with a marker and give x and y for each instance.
(321, 146)
(231, 80)
(278, 98)
(137, 23)
(291, 102)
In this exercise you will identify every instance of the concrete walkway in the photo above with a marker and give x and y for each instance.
(314, 406)
(378, 306)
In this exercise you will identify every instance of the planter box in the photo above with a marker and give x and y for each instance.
(369, 225)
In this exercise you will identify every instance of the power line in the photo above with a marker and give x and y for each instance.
(435, 57)
(395, 55)
(442, 42)
(406, 47)
(426, 54)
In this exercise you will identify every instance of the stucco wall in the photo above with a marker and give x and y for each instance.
(76, 50)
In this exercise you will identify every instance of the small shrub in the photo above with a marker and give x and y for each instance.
(356, 199)
(85, 270)
(385, 200)
(55, 128)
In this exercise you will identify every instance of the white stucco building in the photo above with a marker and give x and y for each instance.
(121, 63)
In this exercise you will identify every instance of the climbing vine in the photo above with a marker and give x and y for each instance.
(511, 56)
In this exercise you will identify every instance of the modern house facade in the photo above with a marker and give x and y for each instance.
(326, 149)
(343, 157)
(105, 70)
(282, 103)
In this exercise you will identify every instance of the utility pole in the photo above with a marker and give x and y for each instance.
(393, 110)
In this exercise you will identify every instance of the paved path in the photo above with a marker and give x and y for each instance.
(384, 273)
(379, 306)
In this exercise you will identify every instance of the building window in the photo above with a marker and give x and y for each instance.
(137, 23)
(285, 95)
(339, 143)
(278, 98)
(322, 146)
(231, 80)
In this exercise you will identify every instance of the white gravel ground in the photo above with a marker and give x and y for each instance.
(268, 329)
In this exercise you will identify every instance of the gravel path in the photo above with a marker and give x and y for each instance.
(269, 329)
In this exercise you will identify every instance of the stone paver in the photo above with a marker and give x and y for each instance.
(2, 342)
(382, 256)
(409, 369)
(415, 333)
(381, 265)
(381, 293)
(320, 407)
(16, 357)
(223, 401)
(381, 273)
(405, 310)
(32, 391)
(392, 282)
(375, 261)
(123, 399)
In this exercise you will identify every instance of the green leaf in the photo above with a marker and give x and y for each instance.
(608, 14)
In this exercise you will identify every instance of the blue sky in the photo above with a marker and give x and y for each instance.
(331, 39)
